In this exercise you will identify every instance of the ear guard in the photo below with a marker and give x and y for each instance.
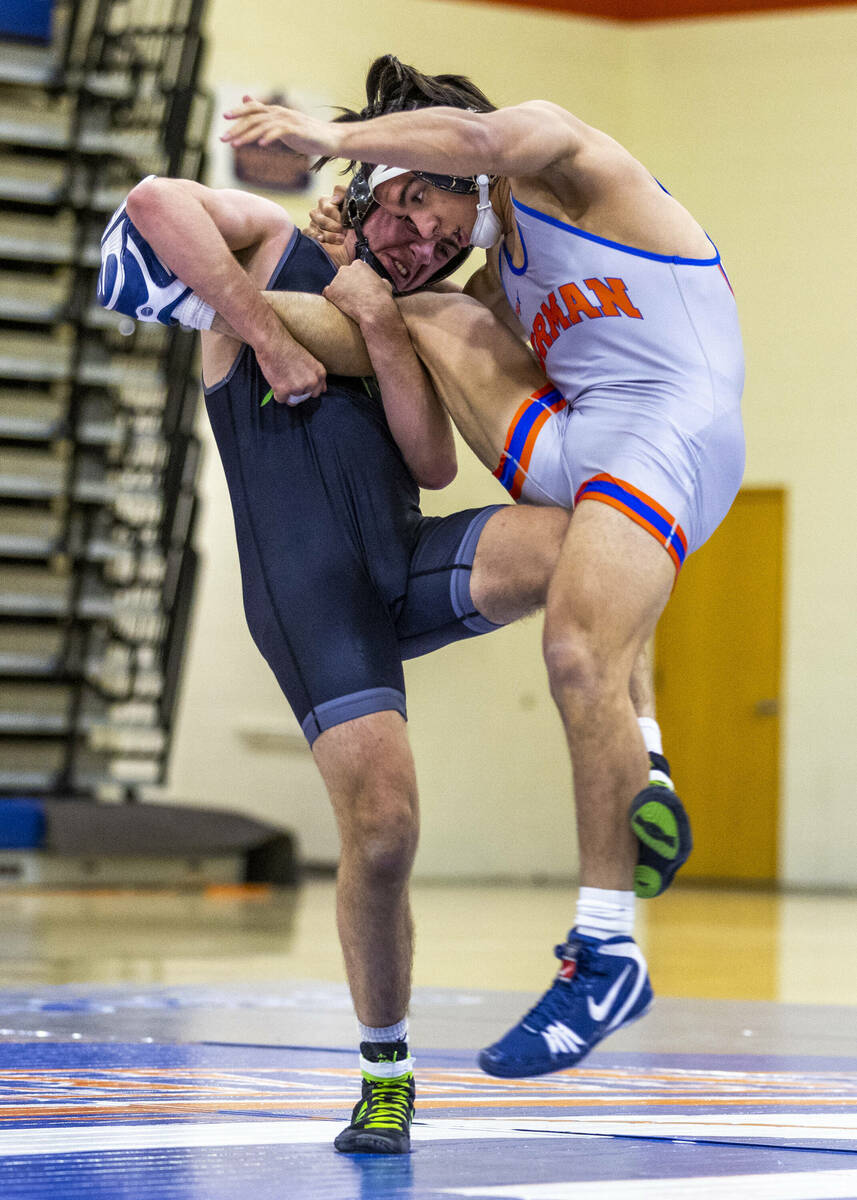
(488, 228)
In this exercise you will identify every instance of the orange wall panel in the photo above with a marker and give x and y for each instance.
(665, 10)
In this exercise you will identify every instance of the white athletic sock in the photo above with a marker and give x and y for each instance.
(602, 913)
(651, 732)
(388, 1033)
(194, 313)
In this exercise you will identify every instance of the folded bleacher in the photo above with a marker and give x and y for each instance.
(97, 453)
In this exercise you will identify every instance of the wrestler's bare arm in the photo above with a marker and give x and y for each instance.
(548, 153)
(521, 140)
(320, 327)
(478, 368)
(553, 160)
(197, 231)
(416, 417)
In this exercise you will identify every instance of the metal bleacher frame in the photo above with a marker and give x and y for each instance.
(97, 452)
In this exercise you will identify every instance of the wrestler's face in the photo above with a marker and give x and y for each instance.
(431, 212)
(408, 258)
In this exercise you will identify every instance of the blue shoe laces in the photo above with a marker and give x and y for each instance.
(553, 1004)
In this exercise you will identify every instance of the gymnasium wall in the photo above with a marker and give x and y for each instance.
(749, 120)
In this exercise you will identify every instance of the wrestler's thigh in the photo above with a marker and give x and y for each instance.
(367, 767)
(315, 613)
(438, 606)
(610, 586)
(480, 369)
(515, 560)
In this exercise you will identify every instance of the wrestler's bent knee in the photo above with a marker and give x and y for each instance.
(384, 842)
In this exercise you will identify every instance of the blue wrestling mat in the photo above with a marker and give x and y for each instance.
(122, 1120)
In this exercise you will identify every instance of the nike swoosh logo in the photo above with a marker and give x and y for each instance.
(599, 1011)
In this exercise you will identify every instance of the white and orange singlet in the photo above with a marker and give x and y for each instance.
(644, 356)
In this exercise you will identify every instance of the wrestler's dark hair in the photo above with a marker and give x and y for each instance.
(393, 86)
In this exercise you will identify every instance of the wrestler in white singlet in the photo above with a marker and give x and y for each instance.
(645, 353)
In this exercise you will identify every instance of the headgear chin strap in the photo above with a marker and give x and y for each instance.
(359, 203)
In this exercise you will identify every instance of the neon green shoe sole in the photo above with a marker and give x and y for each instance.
(662, 829)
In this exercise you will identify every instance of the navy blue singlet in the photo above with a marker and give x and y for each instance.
(342, 575)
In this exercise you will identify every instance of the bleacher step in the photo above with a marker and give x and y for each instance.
(32, 180)
(40, 417)
(29, 65)
(86, 470)
(33, 298)
(42, 239)
(36, 474)
(32, 592)
(37, 129)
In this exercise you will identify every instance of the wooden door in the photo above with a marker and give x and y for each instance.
(717, 680)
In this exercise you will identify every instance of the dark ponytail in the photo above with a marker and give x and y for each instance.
(393, 86)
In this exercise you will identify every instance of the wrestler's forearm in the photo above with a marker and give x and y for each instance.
(523, 139)
(415, 415)
(331, 337)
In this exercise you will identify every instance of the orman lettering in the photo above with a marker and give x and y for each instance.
(560, 312)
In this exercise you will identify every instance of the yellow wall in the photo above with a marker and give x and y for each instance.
(751, 122)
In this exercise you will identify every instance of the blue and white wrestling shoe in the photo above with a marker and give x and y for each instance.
(602, 984)
(133, 280)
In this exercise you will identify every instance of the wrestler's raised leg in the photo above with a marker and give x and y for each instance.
(480, 370)
(331, 337)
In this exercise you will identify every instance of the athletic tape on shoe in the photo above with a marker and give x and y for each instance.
(387, 1070)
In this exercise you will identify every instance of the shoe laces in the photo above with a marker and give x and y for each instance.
(388, 1104)
(555, 1000)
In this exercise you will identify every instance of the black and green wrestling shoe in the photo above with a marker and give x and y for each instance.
(662, 828)
(381, 1121)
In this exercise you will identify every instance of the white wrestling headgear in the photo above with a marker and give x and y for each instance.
(487, 228)
(382, 173)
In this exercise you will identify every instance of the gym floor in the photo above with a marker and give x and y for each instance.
(201, 1045)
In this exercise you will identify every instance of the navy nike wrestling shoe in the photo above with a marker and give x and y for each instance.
(662, 829)
(132, 279)
(602, 984)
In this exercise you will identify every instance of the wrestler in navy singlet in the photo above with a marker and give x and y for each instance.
(342, 575)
